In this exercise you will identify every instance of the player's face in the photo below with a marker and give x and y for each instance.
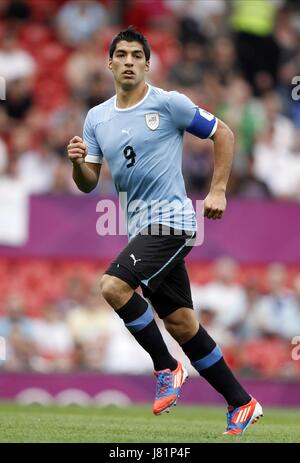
(128, 64)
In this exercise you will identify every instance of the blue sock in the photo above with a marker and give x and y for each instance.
(207, 358)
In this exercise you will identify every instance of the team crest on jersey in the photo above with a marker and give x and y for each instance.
(152, 120)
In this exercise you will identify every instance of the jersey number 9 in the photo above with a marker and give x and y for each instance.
(129, 154)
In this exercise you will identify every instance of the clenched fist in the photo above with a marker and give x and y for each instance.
(214, 205)
(77, 150)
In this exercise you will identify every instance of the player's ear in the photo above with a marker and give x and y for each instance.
(109, 63)
(147, 66)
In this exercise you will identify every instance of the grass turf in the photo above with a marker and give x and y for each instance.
(136, 424)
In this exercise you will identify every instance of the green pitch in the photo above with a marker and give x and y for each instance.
(137, 424)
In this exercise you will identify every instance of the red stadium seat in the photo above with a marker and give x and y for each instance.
(43, 10)
(265, 356)
(51, 54)
(165, 45)
(33, 35)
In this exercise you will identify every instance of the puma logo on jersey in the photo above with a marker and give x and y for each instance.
(125, 131)
(134, 259)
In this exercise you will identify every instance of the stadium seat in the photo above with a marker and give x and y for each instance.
(34, 35)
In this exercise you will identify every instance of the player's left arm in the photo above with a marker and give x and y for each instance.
(199, 122)
(215, 201)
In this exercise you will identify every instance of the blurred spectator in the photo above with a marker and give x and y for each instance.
(36, 169)
(245, 116)
(253, 291)
(90, 327)
(4, 121)
(21, 140)
(17, 330)
(99, 88)
(86, 60)
(62, 181)
(189, 70)
(74, 296)
(290, 105)
(296, 287)
(257, 51)
(223, 62)
(19, 99)
(15, 62)
(192, 51)
(287, 31)
(268, 356)
(277, 312)
(198, 164)
(288, 36)
(205, 17)
(242, 70)
(53, 341)
(157, 72)
(223, 295)
(92, 337)
(63, 123)
(213, 93)
(208, 318)
(248, 186)
(123, 354)
(17, 11)
(275, 163)
(153, 14)
(3, 157)
(77, 21)
(189, 31)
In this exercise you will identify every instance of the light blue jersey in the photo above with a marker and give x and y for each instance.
(143, 147)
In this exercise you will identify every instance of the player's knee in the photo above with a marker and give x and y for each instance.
(114, 290)
(182, 329)
(180, 333)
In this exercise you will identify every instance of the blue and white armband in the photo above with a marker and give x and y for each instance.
(203, 125)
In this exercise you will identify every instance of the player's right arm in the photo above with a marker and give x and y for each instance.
(86, 155)
(85, 174)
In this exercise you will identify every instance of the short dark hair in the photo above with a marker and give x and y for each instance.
(130, 35)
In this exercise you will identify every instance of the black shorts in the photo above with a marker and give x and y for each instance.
(156, 263)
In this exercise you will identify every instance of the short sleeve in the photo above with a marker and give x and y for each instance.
(182, 109)
(94, 151)
(188, 116)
